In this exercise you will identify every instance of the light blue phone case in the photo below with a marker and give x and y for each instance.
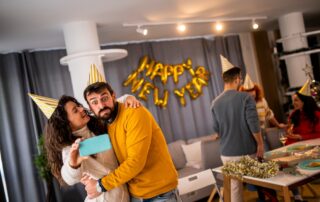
(95, 145)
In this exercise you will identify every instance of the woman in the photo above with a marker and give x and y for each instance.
(265, 114)
(304, 120)
(69, 124)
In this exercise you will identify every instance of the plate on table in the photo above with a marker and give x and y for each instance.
(275, 154)
(299, 147)
(310, 164)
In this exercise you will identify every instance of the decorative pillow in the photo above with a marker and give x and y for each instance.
(177, 155)
(193, 154)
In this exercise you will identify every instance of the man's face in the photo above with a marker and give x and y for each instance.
(101, 104)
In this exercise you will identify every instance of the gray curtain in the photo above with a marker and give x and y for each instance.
(21, 122)
(179, 122)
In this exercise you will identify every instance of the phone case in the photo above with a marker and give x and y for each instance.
(95, 145)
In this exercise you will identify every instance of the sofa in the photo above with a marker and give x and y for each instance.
(207, 147)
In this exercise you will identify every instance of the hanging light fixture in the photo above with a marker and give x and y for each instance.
(255, 25)
(181, 28)
(219, 26)
(142, 31)
(182, 23)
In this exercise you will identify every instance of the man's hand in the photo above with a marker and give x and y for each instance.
(90, 186)
(132, 102)
(260, 151)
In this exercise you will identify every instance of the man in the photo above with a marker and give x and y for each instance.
(140, 147)
(235, 120)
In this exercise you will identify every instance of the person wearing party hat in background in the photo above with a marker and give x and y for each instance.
(265, 114)
(69, 123)
(140, 146)
(304, 120)
(235, 121)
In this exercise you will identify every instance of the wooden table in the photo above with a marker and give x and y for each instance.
(281, 182)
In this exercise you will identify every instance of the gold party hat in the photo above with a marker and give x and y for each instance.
(305, 90)
(248, 84)
(46, 104)
(226, 65)
(95, 75)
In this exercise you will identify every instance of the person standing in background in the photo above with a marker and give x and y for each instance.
(265, 114)
(235, 121)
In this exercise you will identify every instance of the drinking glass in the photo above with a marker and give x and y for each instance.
(283, 137)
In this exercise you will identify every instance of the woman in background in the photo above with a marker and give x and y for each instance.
(264, 112)
(69, 124)
(305, 119)
(304, 122)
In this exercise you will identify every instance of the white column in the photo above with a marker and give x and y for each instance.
(83, 49)
(291, 25)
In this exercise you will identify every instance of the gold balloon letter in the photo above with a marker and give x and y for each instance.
(177, 71)
(180, 95)
(145, 90)
(136, 83)
(159, 102)
(157, 71)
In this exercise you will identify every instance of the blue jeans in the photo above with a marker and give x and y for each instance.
(171, 196)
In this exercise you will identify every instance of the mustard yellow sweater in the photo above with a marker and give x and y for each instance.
(145, 162)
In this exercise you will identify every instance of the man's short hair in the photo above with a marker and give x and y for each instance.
(97, 88)
(230, 75)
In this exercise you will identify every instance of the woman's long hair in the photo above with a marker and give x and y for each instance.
(309, 109)
(259, 92)
(58, 134)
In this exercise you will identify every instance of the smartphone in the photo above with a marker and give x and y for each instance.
(94, 145)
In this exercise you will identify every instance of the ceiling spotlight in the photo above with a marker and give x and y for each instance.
(181, 27)
(142, 31)
(219, 26)
(254, 24)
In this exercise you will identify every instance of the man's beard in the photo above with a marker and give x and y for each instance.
(106, 116)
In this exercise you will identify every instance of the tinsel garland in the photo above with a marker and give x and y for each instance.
(250, 167)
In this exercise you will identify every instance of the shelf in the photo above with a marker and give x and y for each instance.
(300, 53)
(298, 35)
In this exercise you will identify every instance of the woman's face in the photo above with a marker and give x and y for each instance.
(297, 103)
(77, 116)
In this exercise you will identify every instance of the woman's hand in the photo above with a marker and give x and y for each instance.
(132, 102)
(282, 125)
(294, 136)
(75, 158)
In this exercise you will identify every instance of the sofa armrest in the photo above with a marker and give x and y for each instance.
(210, 154)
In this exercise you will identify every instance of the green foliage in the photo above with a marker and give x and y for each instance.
(41, 160)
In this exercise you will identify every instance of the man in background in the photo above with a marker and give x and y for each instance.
(235, 120)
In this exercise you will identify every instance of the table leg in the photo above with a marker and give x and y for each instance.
(226, 188)
(286, 194)
(214, 191)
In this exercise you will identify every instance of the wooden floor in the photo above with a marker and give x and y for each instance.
(251, 196)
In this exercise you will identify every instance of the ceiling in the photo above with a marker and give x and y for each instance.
(37, 24)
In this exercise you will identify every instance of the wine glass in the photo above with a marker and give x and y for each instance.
(283, 137)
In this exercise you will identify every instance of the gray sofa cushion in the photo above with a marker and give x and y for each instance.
(177, 155)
